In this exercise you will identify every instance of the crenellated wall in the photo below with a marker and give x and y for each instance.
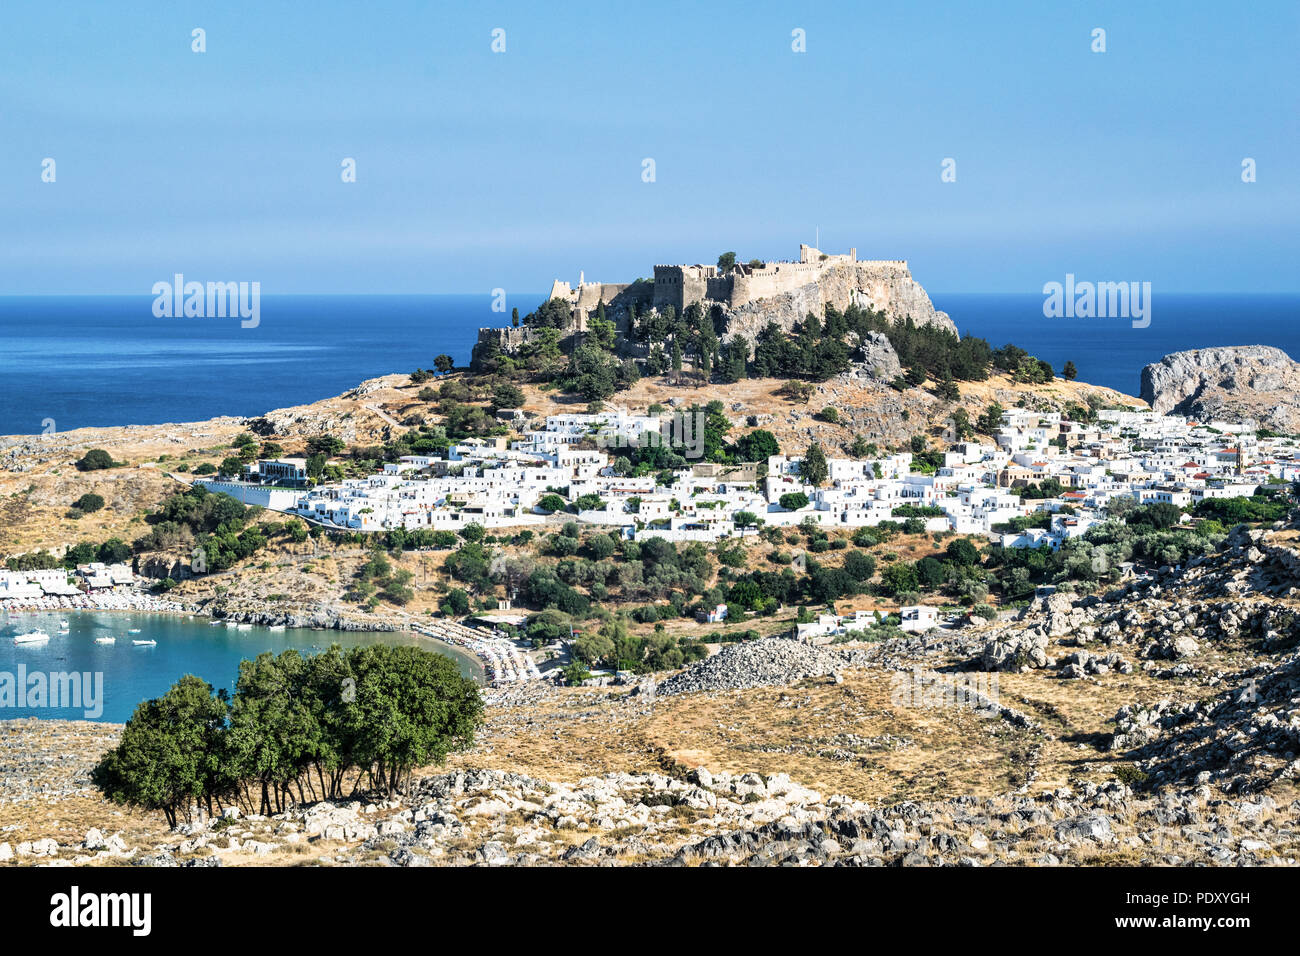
(750, 297)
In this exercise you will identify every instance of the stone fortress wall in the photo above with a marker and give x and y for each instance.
(748, 297)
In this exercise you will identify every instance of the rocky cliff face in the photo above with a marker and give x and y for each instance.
(892, 291)
(1246, 381)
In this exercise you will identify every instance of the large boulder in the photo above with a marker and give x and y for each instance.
(1011, 652)
(1244, 381)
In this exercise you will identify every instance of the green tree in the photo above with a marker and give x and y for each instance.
(167, 757)
(1070, 371)
(898, 578)
(813, 469)
(95, 460)
(962, 428)
(506, 395)
(327, 445)
(991, 420)
(963, 552)
(758, 446)
(551, 503)
(89, 502)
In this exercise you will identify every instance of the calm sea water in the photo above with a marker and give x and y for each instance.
(105, 360)
(185, 646)
(1111, 352)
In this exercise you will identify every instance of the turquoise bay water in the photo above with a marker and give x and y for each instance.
(186, 645)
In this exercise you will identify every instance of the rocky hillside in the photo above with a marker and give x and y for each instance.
(39, 481)
(1245, 381)
(1154, 724)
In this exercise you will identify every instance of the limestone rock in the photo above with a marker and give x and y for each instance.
(1250, 381)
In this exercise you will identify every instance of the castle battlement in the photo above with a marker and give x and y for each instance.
(742, 300)
(681, 285)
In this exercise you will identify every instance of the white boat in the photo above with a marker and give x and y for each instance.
(144, 643)
(31, 637)
(276, 627)
(245, 627)
(106, 640)
(64, 625)
(134, 630)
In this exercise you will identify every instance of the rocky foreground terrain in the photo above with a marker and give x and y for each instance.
(1156, 724)
(1246, 381)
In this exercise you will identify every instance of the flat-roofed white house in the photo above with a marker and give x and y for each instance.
(918, 617)
(288, 471)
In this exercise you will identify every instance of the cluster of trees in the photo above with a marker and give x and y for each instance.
(1266, 507)
(1021, 366)
(296, 729)
(442, 364)
(593, 370)
(377, 580)
(1144, 534)
(613, 645)
(811, 351)
(596, 372)
(650, 569)
(817, 349)
(218, 523)
(211, 520)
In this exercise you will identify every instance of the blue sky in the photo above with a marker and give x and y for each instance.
(479, 170)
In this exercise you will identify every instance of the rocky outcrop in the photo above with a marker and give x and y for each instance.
(879, 360)
(891, 290)
(1245, 381)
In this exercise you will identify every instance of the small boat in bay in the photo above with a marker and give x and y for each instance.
(133, 630)
(144, 643)
(31, 637)
(106, 640)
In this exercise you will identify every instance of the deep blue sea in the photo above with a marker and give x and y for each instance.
(186, 645)
(1111, 352)
(106, 360)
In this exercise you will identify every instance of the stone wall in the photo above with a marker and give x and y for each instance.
(749, 298)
